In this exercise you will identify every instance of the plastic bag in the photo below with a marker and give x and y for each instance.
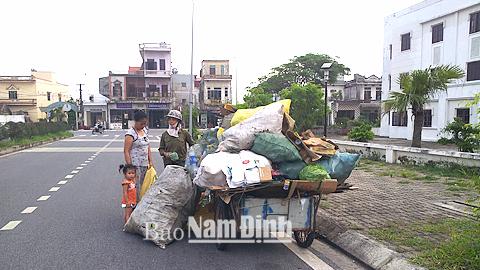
(313, 173)
(340, 165)
(150, 178)
(275, 147)
(243, 114)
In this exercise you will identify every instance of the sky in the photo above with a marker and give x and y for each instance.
(82, 41)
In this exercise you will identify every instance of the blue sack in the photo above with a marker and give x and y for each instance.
(340, 165)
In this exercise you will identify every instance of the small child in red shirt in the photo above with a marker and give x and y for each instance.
(129, 200)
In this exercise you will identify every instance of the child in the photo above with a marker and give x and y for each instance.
(129, 200)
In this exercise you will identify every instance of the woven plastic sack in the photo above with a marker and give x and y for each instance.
(340, 165)
(165, 207)
(243, 114)
(291, 169)
(275, 147)
(241, 137)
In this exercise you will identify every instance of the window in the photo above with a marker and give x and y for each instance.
(474, 22)
(60, 97)
(399, 119)
(378, 94)
(48, 96)
(226, 92)
(162, 64)
(222, 70)
(464, 114)
(437, 33)
(370, 116)
(12, 95)
(151, 64)
(184, 101)
(184, 84)
(473, 71)
(427, 118)
(164, 90)
(350, 114)
(212, 69)
(217, 93)
(390, 48)
(405, 42)
(367, 94)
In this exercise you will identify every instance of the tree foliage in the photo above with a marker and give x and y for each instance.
(462, 135)
(301, 70)
(418, 88)
(361, 133)
(256, 97)
(308, 105)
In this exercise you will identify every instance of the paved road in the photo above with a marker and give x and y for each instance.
(60, 209)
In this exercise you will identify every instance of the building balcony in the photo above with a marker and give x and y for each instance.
(217, 77)
(216, 102)
(142, 100)
(21, 101)
(144, 73)
(16, 78)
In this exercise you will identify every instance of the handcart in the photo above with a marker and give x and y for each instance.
(270, 203)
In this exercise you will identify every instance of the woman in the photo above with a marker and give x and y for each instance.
(173, 142)
(137, 148)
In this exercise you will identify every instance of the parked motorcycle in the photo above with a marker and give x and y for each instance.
(97, 128)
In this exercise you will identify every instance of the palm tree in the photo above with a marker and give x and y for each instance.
(418, 88)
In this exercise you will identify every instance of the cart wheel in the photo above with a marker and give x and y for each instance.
(221, 212)
(304, 238)
(93, 131)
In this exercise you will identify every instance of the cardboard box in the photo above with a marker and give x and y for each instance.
(325, 186)
(265, 174)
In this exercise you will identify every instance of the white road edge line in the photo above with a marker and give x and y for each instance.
(307, 256)
(10, 225)
(28, 210)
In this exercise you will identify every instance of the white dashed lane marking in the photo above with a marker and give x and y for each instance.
(43, 198)
(83, 164)
(90, 159)
(79, 168)
(87, 161)
(54, 189)
(10, 225)
(74, 172)
(69, 176)
(62, 182)
(28, 210)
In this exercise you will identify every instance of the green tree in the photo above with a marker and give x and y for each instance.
(57, 114)
(186, 119)
(419, 87)
(308, 105)
(256, 97)
(301, 70)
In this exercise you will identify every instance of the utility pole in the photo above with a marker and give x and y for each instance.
(81, 103)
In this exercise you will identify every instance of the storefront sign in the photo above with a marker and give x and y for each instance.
(158, 105)
(203, 119)
(124, 105)
(116, 125)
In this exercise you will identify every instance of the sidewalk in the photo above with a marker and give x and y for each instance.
(350, 215)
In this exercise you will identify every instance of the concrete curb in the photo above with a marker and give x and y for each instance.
(366, 250)
(16, 148)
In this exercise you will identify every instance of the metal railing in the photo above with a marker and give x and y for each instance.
(16, 78)
(19, 101)
(217, 76)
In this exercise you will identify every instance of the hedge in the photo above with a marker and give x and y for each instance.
(22, 130)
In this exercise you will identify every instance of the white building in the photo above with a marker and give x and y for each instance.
(429, 34)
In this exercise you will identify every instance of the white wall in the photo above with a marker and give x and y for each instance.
(11, 118)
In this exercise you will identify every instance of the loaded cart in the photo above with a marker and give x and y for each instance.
(264, 212)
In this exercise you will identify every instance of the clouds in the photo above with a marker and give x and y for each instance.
(94, 37)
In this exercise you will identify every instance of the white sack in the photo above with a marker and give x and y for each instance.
(241, 136)
(167, 204)
(243, 168)
(210, 171)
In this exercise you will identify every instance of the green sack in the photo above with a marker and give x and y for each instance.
(290, 169)
(276, 147)
(314, 173)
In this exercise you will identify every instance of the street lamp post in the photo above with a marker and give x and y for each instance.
(326, 68)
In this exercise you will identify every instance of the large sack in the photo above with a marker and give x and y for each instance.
(241, 137)
(210, 171)
(244, 114)
(242, 168)
(291, 169)
(275, 147)
(165, 207)
(340, 165)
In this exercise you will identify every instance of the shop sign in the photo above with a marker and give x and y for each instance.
(124, 105)
(158, 105)
(203, 119)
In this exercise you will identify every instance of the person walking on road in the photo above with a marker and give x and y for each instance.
(129, 200)
(137, 148)
(173, 146)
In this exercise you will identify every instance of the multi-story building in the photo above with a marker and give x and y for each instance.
(215, 90)
(147, 87)
(423, 36)
(360, 96)
(25, 95)
(181, 85)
